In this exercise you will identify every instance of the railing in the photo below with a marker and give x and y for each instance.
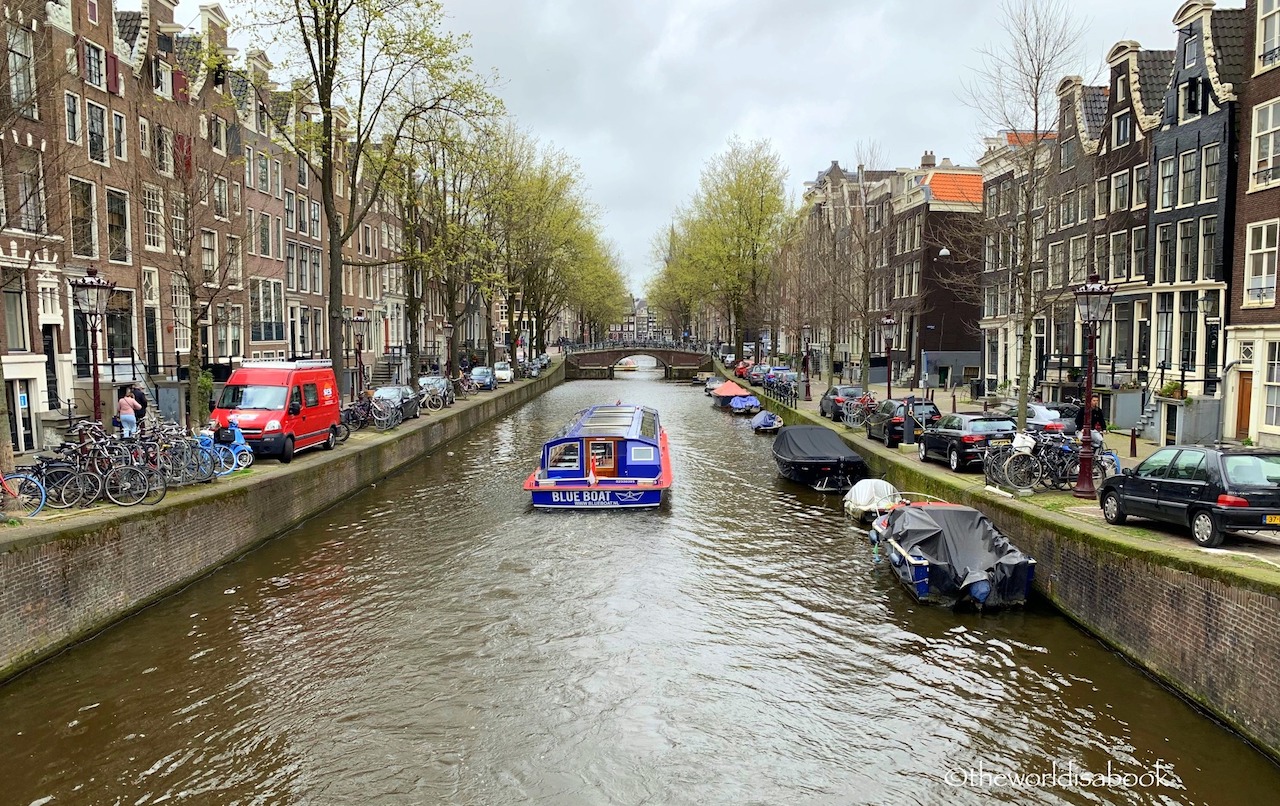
(640, 344)
(784, 392)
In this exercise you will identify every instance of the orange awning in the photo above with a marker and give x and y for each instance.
(729, 389)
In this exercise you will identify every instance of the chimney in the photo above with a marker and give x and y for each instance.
(947, 163)
(928, 160)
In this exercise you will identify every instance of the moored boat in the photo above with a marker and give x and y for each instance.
(870, 497)
(722, 396)
(626, 365)
(766, 422)
(745, 404)
(949, 554)
(816, 457)
(607, 457)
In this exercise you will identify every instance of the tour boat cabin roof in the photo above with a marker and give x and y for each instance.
(627, 422)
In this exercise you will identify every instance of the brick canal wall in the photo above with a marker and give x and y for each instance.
(1207, 625)
(60, 583)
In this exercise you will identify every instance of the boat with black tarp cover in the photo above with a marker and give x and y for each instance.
(816, 457)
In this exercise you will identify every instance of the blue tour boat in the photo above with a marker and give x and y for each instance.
(606, 457)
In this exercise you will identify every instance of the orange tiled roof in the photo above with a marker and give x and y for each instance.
(1022, 138)
(956, 187)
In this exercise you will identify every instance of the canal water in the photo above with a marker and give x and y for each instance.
(433, 640)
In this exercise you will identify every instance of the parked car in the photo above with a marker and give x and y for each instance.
(775, 373)
(1065, 408)
(962, 439)
(484, 378)
(756, 375)
(402, 396)
(1040, 417)
(832, 402)
(886, 422)
(1214, 491)
(282, 406)
(742, 368)
(503, 372)
(438, 384)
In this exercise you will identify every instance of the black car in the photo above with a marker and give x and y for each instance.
(962, 439)
(1215, 491)
(402, 396)
(832, 402)
(885, 423)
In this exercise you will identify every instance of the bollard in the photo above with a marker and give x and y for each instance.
(1133, 442)
(953, 402)
(984, 404)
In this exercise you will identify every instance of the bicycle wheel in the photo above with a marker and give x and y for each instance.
(89, 485)
(125, 486)
(244, 458)
(1023, 470)
(344, 432)
(435, 402)
(60, 491)
(224, 458)
(27, 493)
(157, 487)
(993, 467)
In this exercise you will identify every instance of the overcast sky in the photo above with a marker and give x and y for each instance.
(643, 92)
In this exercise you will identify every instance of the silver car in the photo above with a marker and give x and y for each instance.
(1040, 418)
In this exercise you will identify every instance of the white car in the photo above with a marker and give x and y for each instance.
(503, 372)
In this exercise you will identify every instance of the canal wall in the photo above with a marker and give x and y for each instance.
(63, 581)
(1207, 624)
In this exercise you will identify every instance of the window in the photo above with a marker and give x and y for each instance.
(209, 255)
(1167, 186)
(180, 299)
(1164, 329)
(1187, 320)
(1188, 184)
(1188, 250)
(248, 167)
(119, 136)
(1210, 172)
(1191, 97)
(1266, 143)
(1121, 87)
(1140, 186)
(73, 118)
(152, 217)
(1189, 52)
(264, 234)
(84, 231)
(1079, 259)
(302, 171)
(315, 219)
(15, 311)
(315, 272)
(144, 136)
(1057, 265)
(1188, 467)
(1166, 259)
(163, 78)
(97, 117)
(1273, 383)
(1268, 32)
(290, 265)
(178, 229)
(117, 226)
(1067, 153)
(1260, 271)
(290, 222)
(1120, 191)
(218, 135)
(163, 150)
(1100, 197)
(279, 177)
(27, 210)
(22, 72)
(1121, 129)
(93, 65)
(264, 172)
(235, 198)
(234, 262)
(1209, 247)
(266, 310)
(1120, 255)
(220, 197)
(278, 248)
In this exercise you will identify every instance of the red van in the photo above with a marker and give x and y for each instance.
(282, 406)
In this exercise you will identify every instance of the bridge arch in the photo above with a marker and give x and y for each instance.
(598, 359)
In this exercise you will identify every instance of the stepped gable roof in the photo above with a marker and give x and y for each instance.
(955, 187)
(1229, 28)
(1093, 109)
(1155, 67)
(128, 26)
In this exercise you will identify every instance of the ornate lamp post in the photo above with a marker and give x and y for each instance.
(808, 331)
(447, 329)
(1093, 299)
(90, 295)
(887, 324)
(359, 325)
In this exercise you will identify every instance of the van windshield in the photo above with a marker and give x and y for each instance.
(252, 397)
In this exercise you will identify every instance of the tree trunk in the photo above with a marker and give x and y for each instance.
(197, 405)
(412, 314)
(6, 446)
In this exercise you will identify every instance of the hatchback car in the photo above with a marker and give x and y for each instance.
(832, 402)
(886, 422)
(401, 396)
(484, 378)
(755, 375)
(963, 439)
(503, 372)
(1040, 418)
(1214, 491)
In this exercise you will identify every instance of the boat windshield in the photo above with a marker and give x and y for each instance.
(238, 396)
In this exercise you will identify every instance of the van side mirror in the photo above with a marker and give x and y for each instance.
(295, 408)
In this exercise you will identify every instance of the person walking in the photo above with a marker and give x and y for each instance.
(140, 395)
(127, 410)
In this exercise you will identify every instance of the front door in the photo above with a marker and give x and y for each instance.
(602, 458)
(1244, 405)
(50, 336)
(20, 432)
(152, 328)
(1171, 424)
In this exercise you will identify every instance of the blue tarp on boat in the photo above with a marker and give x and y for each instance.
(747, 402)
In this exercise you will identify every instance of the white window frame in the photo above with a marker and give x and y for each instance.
(209, 256)
(1166, 200)
(1116, 205)
(1268, 40)
(90, 47)
(153, 193)
(1204, 174)
(89, 108)
(1271, 386)
(144, 137)
(68, 128)
(93, 219)
(128, 225)
(1258, 293)
(218, 135)
(1268, 140)
(119, 136)
(1116, 141)
(20, 58)
(1194, 157)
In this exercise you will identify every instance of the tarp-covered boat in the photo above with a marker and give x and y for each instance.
(816, 457)
(748, 404)
(766, 422)
(712, 384)
(950, 554)
(724, 394)
(869, 497)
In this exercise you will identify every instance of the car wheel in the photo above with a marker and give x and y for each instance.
(1111, 508)
(286, 455)
(920, 451)
(1204, 530)
(332, 439)
(953, 460)
(888, 441)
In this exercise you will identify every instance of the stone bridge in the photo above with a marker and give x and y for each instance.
(597, 360)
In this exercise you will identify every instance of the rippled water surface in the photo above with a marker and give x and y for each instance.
(433, 640)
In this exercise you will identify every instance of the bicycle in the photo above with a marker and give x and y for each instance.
(1106, 462)
(28, 493)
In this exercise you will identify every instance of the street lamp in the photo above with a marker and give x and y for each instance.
(808, 331)
(1092, 300)
(90, 295)
(447, 328)
(888, 323)
(359, 324)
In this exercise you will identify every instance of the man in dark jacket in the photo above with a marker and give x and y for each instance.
(140, 395)
(1097, 421)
